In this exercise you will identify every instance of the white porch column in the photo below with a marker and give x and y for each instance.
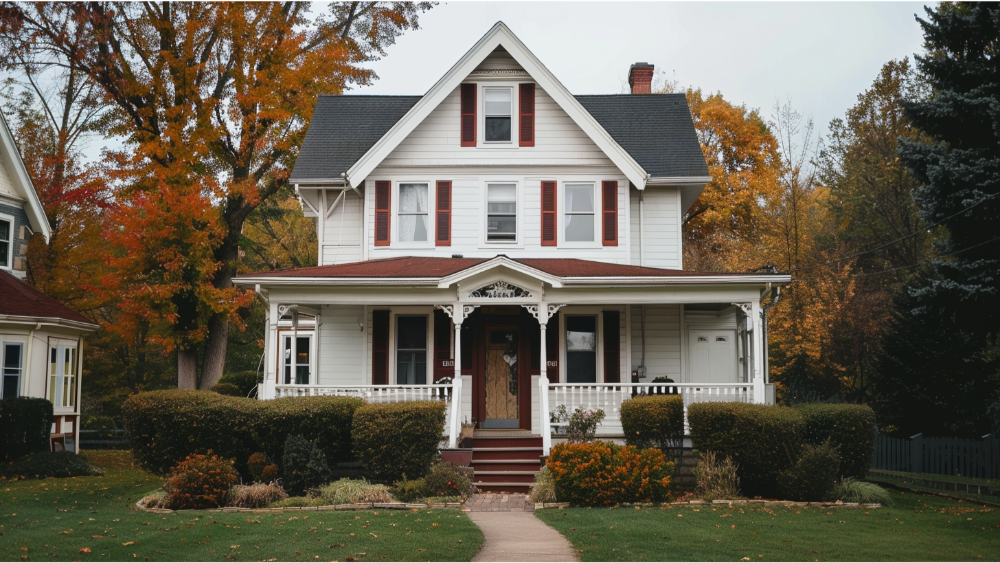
(271, 351)
(543, 312)
(458, 313)
(757, 340)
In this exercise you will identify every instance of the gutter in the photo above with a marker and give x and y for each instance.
(48, 321)
(678, 180)
(652, 281)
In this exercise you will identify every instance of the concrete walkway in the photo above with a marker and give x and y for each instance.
(516, 535)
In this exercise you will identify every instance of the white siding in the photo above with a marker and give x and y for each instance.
(6, 185)
(341, 346)
(663, 341)
(661, 223)
(499, 59)
(343, 231)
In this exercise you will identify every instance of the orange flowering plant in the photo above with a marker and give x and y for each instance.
(603, 473)
(200, 481)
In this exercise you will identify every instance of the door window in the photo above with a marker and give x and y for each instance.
(297, 356)
(581, 349)
(62, 375)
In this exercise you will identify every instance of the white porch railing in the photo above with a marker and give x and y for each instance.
(609, 397)
(450, 394)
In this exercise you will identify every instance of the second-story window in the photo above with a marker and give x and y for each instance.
(501, 212)
(413, 225)
(498, 109)
(579, 213)
(6, 246)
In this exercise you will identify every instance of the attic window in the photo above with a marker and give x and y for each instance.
(497, 111)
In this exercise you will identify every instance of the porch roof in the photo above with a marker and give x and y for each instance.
(19, 302)
(428, 269)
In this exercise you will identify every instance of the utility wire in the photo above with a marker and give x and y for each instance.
(928, 261)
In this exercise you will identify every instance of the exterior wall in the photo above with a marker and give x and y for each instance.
(341, 346)
(662, 224)
(10, 209)
(342, 232)
(663, 341)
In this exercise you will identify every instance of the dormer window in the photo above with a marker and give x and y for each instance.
(498, 112)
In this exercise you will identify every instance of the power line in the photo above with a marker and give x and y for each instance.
(923, 262)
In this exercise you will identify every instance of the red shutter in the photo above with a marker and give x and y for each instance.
(609, 217)
(380, 347)
(468, 115)
(548, 213)
(612, 347)
(527, 110)
(443, 237)
(383, 197)
(442, 345)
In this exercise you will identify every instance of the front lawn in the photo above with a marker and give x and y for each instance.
(915, 528)
(94, 518)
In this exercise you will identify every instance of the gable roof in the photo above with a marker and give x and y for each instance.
(22, 182)
(18, 299)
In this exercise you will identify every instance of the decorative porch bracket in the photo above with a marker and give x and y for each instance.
(543, 312)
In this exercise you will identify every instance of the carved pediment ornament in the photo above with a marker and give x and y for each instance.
(500, 290)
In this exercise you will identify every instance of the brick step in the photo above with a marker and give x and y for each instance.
(481, 454)
(502, 487)
(521, 477)
(507, 465)
(507, 442)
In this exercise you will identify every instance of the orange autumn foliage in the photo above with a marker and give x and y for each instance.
(604, 473)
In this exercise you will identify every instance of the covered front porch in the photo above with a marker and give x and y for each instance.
(504, 343)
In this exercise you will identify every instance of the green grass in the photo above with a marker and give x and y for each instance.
(54, 519)
(915, 528)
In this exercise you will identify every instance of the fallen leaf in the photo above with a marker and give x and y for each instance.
(85, 550)
(133, 542)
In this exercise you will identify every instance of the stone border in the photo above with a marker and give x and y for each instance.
(730, 503)
(324, 508)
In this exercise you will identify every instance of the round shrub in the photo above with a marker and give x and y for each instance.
(303, 465)
(397, 440)
(200, 481)
(41, 465)
(814, 475)
(655, 421)
(227, 389)
(409, 490)
(448, 480)
(761, 440)
(603, 473)
(24, 426)
(851, 428)
(269, 473)
(256, 464)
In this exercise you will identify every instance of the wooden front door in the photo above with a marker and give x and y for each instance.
(502, 377)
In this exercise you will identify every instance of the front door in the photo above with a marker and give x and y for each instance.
(501, 385)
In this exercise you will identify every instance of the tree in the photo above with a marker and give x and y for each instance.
(958, 299)
(211, 101)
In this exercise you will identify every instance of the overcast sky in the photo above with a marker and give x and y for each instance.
(818, 55)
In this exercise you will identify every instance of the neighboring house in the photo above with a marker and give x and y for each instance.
(524, 241)
(41, 340)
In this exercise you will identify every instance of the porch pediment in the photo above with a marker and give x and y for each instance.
(500, 280)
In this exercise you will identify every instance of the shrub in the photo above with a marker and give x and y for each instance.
(245, 381)
(97, 422)
(396, 440)
(353, 491)
(655, 421)
(155, 500)
(200, 481)
(256, 465)
(849, 427)
(24, 426)
(603, 473)
(581, 426)
(447, 479)
(297, 501)
(227, 389)
(257, 495)
(324, 420)
(852, 490)
(716, 479)
(409, 490)
(543, 488)
(41, 465)
(761, 440)
(814, 475)
(304, 465)
(269, 473)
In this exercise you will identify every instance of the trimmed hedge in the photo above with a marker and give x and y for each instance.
(604, 473)
(42, 465)
(851, 428)
(762, 440)
(25, 423)
(165, 427)
(398, 440)
(655, 421)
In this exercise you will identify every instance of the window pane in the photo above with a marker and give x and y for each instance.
(581, 367)
(497, 128)
(579, 228)
(501, 208)
(11, 385)
(497, 101)
(302, 375)
(411, 333)
(12, 356)
(581, 333)
(579, 198)
(413, 228)
(413, 198)
(501, 192)
(302, 350)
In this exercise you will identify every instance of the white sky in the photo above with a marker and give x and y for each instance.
(818, 55)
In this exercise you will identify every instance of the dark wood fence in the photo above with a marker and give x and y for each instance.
(114, 439)
(941, 456)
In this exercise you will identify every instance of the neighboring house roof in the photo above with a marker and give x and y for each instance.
(656, 129)
(419, 268)
(18, 299)
(21, 181)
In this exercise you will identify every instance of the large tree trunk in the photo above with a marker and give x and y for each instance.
(215, 351)
(187, 369)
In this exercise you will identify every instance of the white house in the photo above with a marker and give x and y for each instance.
(509, 247)
(41, 340)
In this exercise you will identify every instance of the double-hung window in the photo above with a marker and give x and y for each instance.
(296, 359)
(6, 241)
(581, 349)
(413, 221)
(501, 212)
(497, 111)
(12, 364)
(578, 213)
(62, 375)
(411, 350)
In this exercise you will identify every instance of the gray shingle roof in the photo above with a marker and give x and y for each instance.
(656, 129)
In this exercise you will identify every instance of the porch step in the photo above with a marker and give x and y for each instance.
(505, 463)
(506, 442)
(502, 487)
(531, 465)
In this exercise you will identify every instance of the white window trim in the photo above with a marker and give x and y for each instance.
(288, 332)
(55, 344)
(561, 216)
(518, 241)
(394, 215)
(515, 109)
(581, 312)
(10, 243)
(413, 311)
(22, 379)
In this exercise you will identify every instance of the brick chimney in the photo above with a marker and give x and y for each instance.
(640, 78)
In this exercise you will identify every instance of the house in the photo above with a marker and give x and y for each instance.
(508, 247)
(41, 340)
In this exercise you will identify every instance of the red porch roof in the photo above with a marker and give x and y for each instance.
(18, 299)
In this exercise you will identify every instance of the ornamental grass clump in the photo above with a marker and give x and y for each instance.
(849, 489)
(716, 479)
(256, 495)
(603, 473)
(543, 488)
(353, 491)
(200, 481)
